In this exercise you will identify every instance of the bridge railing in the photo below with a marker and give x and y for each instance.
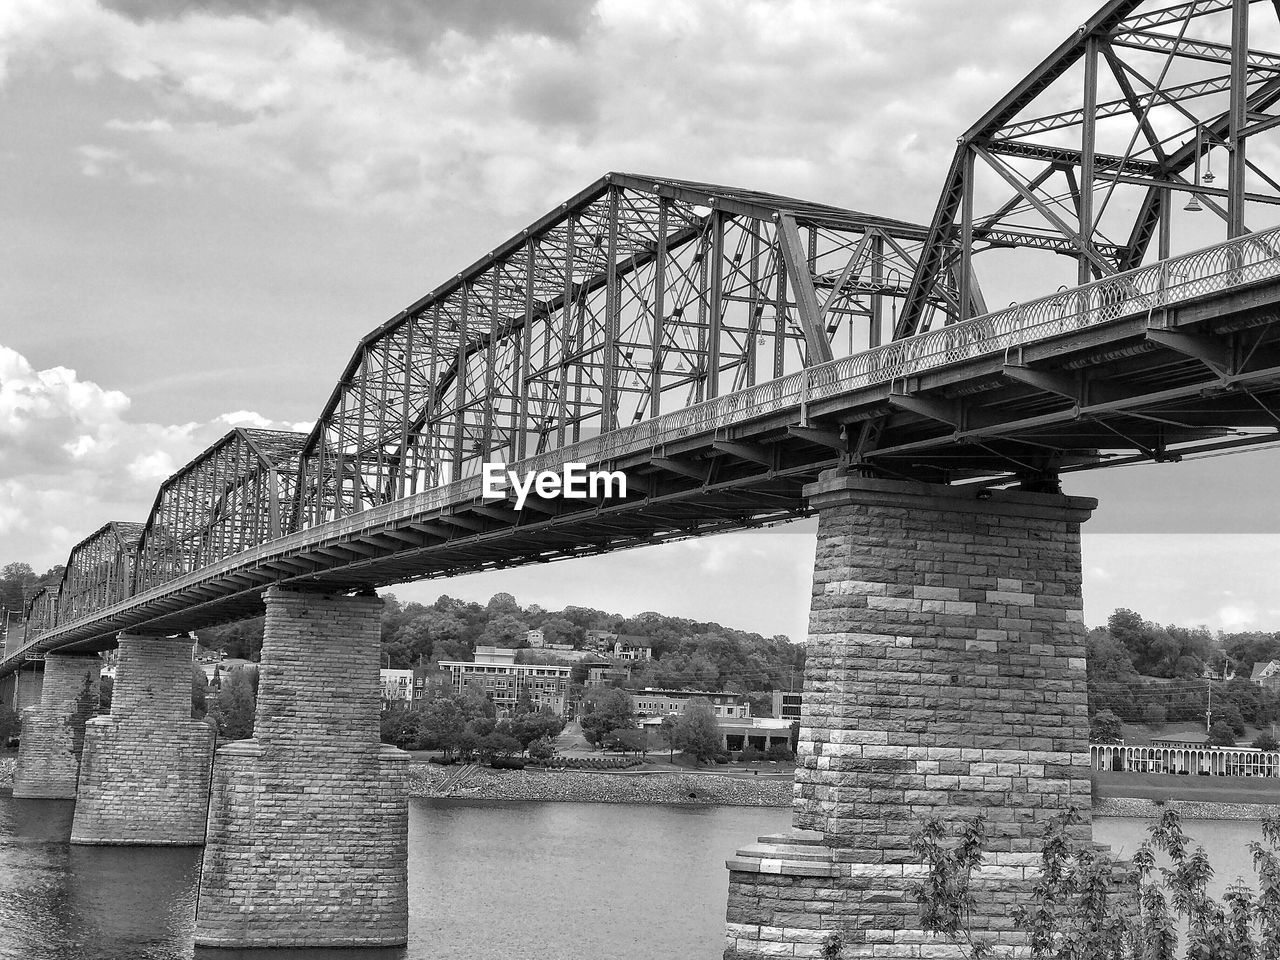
(1242, 260)
(1210, 270)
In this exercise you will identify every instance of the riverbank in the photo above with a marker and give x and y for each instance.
(482, 783)
(1142, 809)
(1144, 795)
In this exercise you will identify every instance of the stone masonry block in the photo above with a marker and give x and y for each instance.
(975, 715)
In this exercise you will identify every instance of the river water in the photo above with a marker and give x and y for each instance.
(488, 880)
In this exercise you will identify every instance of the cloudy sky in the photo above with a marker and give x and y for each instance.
(206, 204)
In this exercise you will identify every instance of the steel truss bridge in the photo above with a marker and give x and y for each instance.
(722, 347)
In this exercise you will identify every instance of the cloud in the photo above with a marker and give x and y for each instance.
(71, 458)
(404, 107)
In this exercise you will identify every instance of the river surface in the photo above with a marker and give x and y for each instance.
(488, 880)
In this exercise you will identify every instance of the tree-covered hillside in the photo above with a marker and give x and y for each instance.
(687, 653)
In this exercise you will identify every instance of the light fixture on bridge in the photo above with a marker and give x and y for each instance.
(1193, 205)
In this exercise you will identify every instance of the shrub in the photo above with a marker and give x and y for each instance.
(780, 752)
(1153, 715)
(750, 754)
(1105, 728)
(1265, 741)
(1075, 909)
(1221, 735)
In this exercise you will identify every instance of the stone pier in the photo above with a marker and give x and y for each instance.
(945, 678)
(144, 776)
(53, 730)
(308, 821)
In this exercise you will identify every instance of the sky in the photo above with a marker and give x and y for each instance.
(206, 203)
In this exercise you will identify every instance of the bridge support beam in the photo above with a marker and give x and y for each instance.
(308, 821)
(945, 678)
(53, 730)
(144, 777)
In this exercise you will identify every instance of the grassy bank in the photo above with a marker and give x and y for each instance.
(1164, 787)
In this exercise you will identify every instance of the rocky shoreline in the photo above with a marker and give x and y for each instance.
(1142, 809)
(430, 780)
(482, 783)
(576, 786)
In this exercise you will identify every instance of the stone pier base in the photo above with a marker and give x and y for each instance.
(945, 678)
(144, 776)
(308, 822)
(53, 730)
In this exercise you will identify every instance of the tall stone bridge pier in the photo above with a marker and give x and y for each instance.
(744, 358)
(945, 674)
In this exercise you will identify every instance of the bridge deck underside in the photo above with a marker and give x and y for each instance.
(1142, 386)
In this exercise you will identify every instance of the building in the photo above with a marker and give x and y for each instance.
(219, 669)
(786, 706)
(663, 703)
(1267, 675)
(633, 648)
(607, 674)
(535, 638)
(431, 681)
(599, 640)
(496, 673)
(738, 733)
(396, 685)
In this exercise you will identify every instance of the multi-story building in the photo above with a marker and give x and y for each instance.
(431, 681)
(535, 638)
(607, 674)
(599, 640)
(496, 673)
(786, 706)
(632, 648)
(661, 703)
(397, 685)
(1267, 675)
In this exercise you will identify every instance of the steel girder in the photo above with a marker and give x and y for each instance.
(99, 571)
(41, 612)
(1084, 157)
(233, 496)
(638, 296)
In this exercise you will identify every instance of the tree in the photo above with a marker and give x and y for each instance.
(441, 723)
(1265, 741)
(1153, 715)
(1073, 909)
(199, 686)
(668, 734)
(1105, 728)
(10, 725)
(233, 709)
(528, 727)
(399, 726)
(544, 748)
(106, 690)
(697, 734)
(498, 744)
(1230, 714)
(1221, 735)
(628, 740)
(609, 711)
